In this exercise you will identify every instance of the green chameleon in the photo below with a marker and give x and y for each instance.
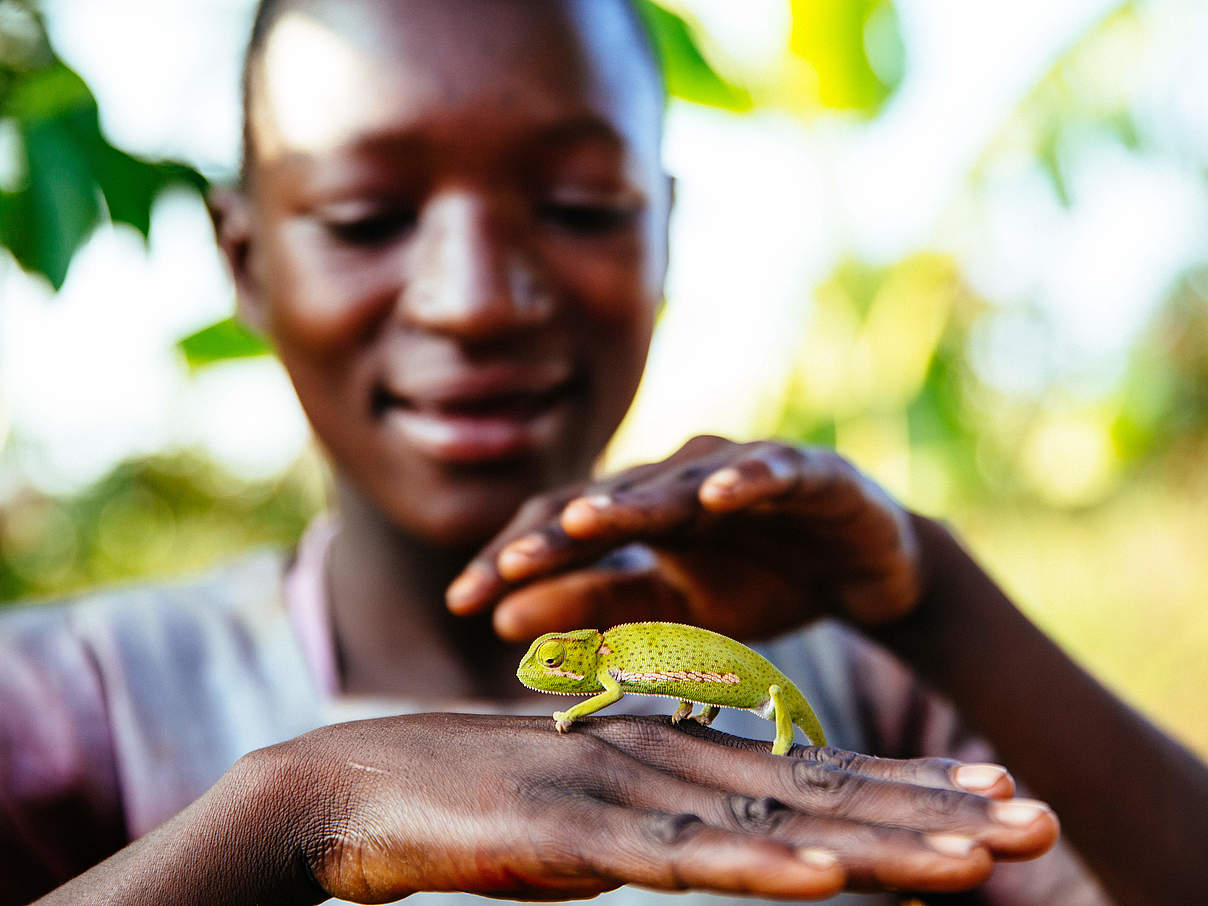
(673, 660)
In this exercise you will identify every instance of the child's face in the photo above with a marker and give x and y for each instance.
(457, 241)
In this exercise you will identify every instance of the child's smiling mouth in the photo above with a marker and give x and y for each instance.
(483, 415)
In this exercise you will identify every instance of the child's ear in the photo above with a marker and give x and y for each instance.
(230, 213)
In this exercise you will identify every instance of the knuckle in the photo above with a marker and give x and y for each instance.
(672, 830)
(755, 815)
(817, 779)
(940, 769)
(946, 803)
(765, 449)
(839, 759)
(696, 472)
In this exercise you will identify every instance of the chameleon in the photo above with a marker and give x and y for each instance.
(674, 660)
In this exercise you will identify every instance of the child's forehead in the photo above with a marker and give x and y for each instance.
(330, 70)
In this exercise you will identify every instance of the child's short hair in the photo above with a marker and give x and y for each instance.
(268, 11)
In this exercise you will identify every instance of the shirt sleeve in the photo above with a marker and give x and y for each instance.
(60, 810)
(904, 718)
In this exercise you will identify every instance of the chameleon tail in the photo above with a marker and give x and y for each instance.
(808, 721)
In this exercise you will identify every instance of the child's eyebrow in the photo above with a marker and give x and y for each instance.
(578, 129)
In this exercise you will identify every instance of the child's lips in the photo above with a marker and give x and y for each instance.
(470, 429)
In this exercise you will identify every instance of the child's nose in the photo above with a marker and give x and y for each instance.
(470, 275)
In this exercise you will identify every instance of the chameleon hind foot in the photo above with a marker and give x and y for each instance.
(684, 709)
(784, 722)
(707, 715)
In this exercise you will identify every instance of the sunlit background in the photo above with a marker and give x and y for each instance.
(964, 242)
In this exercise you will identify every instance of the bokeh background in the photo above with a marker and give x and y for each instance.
(966, 243)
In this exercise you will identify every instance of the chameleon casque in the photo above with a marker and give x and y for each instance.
(673, 660)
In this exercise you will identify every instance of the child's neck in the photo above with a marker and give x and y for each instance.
(393, 633)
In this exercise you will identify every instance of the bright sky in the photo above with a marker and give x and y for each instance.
(765, 207)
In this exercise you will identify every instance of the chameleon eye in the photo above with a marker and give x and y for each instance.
(551, 654)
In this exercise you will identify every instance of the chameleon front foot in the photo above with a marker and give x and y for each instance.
(562, 721)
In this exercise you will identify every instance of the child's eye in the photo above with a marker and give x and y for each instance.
(371, 230)
(586, 219)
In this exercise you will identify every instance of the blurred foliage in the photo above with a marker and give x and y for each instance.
(687, 73)
(885, 374)
(1084, 96)
(221, 341)
(70, 176)
(1162, 414)
(162, 516)
(851, 51)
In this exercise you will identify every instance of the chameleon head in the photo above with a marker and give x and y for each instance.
(562, 662)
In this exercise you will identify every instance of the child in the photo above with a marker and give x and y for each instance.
(453, 228)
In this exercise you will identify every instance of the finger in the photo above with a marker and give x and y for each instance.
(839, 509)
(941, 773)
(648, 509)
(760, 472)
(622, 589)
(535, 544)
(873, 853)
(834, 494)
(677, 851)
(640, 502)
(986, 780)
(481, 583)
(649, 499)
(544, 551)
(807, 481)
(845, 785)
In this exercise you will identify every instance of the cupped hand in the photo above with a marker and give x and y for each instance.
(746, 539)
(505, 806)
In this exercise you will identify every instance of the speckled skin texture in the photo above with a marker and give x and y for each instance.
(668, 659)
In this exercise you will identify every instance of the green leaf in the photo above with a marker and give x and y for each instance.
(58, 208)
(131, 185)
(685, 69)
(70, 167)
(227, 339)
(854, 49)
(48, 93)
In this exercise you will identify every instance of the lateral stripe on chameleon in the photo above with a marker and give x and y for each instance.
(694, 665)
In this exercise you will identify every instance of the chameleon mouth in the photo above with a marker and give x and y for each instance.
(529, 680)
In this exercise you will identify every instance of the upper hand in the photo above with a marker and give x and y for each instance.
(745, 539)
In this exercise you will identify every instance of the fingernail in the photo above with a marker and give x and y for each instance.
(465, 588)
(526, 547)
(1017, 812)
(514, 560)
(978, 776)
(724, 479)
(951, 844)
(583, 510)
(816, 857)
